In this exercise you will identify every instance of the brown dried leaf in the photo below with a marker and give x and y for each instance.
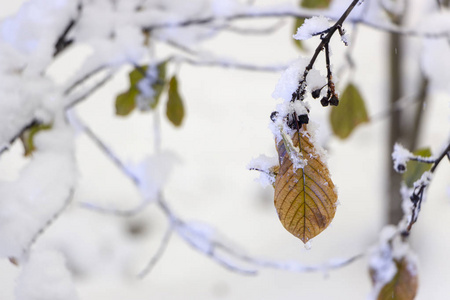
(305, 199)
(403, 285)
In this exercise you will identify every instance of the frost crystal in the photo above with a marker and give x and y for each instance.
(311, 27)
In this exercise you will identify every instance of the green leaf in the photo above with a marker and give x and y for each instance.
(137, 74)
(126, 101)
(315, 3)
(415, 169)
(175, 108)
(298, 22)
(350, 112)
(27, 137)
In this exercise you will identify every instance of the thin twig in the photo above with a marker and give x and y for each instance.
(159, 253)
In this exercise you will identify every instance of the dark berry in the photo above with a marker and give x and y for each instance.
(334, 101)
(401, 168)
(316, 93)
(303, 119)
(324, 101)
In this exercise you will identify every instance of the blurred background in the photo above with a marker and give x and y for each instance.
(226, 125)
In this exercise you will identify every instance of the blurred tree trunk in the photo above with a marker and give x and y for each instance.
(395, 129)
(404, 123)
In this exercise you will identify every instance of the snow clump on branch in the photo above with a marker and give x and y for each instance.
(312, 27)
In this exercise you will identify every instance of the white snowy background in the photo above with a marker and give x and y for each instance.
(226, 125)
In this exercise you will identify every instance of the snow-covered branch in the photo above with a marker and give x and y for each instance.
(413, 197)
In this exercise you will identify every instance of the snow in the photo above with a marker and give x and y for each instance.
(22, 100)
(34, 38)
(313, 131)
(263, 164)
(312, 27)
(400, 156)
(345, 38)
(424, 180)
(41, 190)
(289, 80)
(45, 277)
(315, 80)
